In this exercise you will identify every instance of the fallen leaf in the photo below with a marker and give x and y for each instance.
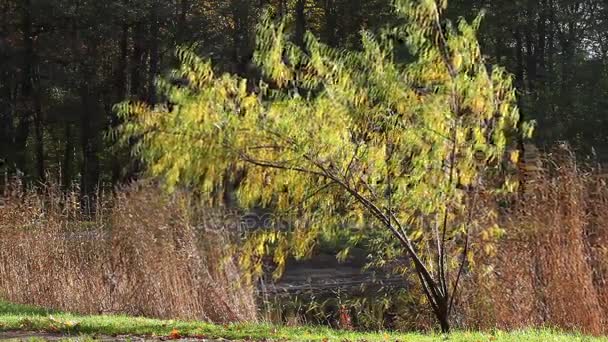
(175, 335)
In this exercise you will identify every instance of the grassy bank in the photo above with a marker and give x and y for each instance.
(26, 318)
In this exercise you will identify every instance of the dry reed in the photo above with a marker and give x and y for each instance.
(551, 267)
(144, 253)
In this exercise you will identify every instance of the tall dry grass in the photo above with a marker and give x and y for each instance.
(144, 253)
(551, 267)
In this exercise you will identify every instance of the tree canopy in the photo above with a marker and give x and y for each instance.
(65, 63)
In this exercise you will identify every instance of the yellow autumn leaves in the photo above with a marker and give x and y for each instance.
(329, 132)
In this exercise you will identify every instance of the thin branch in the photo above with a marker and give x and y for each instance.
(443, 44)
(420, 267)
(441, 251)
(427, 292)
(273, 165)
(464, 252)
(352, 160)
(313, 193)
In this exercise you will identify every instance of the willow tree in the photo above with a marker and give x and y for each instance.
(341, 136)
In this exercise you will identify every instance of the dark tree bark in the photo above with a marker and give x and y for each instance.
(568, 46)
(520, 83)
(138, 60)
(39, 134)
(26, 103)
(551, 41)
(7, 90)
(331, 22)
(123, 64)
(531, 49)
(519, 59)
(90, 129)
(122, 93)
(89, 170)
(241, 48)
(542, 44)
(66, 167)
(300, 17)
(282, 8)
(153, 51)
(182, 20)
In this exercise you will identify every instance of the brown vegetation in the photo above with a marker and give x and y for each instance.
(144, 253)
(551, 267)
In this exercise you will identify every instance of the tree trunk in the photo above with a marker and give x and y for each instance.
(7, 91)
(90, 160)
(567, 67)
(542, 44)
(39, 135)
(153, 51)
(330, 23)
(300, 15)
(66, 168)
(282, 6)
(184, 6)
(23, 127)
(122, 93)
(551, 42)
(21, 135)
(240, 17)
(38, 126)
(521, 84)
(444, 322)
(439, 299)
(530, 50)
(137, 60)
(89, 134)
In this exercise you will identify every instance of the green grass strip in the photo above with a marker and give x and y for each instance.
(27, 318)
